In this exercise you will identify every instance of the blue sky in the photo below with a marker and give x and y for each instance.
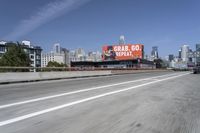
(89, 24)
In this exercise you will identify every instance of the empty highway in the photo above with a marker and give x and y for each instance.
(159, 102)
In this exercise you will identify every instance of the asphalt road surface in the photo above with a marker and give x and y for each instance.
(159, 102)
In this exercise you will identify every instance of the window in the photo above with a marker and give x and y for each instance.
(32, 57)
(2, 49)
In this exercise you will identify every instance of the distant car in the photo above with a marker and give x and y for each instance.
(196, 69)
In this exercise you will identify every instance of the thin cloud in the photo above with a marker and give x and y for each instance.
(47, 13)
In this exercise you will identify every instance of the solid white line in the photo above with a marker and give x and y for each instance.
(20, 118)
(75, 92)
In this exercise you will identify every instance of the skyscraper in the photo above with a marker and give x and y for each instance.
(122, 40)
(171, 57)
(179, 54)
(197, 47)
(198, 53)
(154, 53)
(56, 48)
(185, 53)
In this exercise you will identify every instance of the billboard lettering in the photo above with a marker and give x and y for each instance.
(123, 52)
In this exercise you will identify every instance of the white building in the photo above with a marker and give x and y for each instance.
(185, 53)
(77, 55)
(47, 57)
(60, 55)
(122, 40)
(94, 56)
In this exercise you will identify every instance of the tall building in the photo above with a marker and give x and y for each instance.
(65, 52)
(179, 54)
(122, 40)
(80, 54)
(56, 48)
(198, 53)
(154, 53)
(171, 57)
(197, 47)
(94, 56)
(185, 53)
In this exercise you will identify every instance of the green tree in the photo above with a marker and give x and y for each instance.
(15, 56)
(54, 64)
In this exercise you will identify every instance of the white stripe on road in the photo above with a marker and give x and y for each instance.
(3, 123)
(75, 92)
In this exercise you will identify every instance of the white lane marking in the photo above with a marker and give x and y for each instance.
(20, 118)
(75, 92)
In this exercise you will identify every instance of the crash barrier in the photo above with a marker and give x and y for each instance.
(12, 77)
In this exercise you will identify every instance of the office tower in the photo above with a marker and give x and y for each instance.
(171, 57)
(154, 53)
(197, 47)
(94, 56)
(80, 54)
(122, 40)
(185, 53)
(198, 53)
(56, 48)
(179, 54)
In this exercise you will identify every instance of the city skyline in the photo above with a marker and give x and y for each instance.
(90, 24)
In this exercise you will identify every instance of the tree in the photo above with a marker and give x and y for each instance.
(15, 56)
(55, 64)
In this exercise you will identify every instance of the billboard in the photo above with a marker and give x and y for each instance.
(122, 52)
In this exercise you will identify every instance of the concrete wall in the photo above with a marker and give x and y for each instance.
(33, 76)
(16, 77)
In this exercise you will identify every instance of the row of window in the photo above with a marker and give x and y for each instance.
(2, 49)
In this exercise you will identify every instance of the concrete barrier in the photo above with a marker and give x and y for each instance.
(138, 71)
(39, 76)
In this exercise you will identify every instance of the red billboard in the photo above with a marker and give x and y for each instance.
(122, 52)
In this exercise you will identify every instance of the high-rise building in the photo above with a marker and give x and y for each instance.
(171, 57)
(122, 40)
(94, 56)
(154, 53)
(197, 47)
(198, 53)
(179, 54)
(56, 48)
(185, 53)
(80, 54)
